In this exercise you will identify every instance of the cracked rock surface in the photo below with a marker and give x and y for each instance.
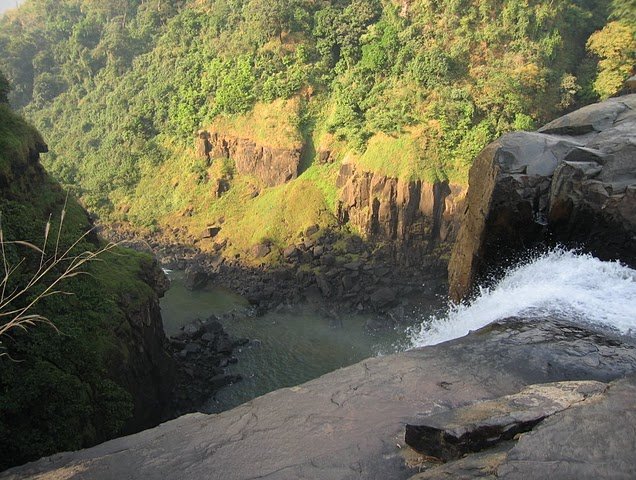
(349, 424)
(452, 434)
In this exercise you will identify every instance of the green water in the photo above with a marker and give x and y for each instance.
(287, 348)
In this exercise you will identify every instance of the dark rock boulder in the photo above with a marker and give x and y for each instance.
(572, 182)
(384, 297)
(195, 278)
(210, 232)
(261, 250)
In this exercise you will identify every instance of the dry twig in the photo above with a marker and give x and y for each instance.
(52, 271)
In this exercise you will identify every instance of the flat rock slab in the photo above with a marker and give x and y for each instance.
(452, 434)
(591, 441)
(349, 424)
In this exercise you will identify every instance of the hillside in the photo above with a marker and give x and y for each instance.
(104, 370)
(411, 89)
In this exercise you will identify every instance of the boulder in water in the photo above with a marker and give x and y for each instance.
(195, 278)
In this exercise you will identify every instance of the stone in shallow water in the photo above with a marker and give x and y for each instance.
(453, 433)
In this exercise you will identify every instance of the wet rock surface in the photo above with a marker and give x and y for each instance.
(349, 424)
(572, 182)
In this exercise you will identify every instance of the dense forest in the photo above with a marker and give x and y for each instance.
(411, 88)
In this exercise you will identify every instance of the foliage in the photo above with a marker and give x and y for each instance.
(119, 89)
(615, 44)
(5, 88)
(57, 388)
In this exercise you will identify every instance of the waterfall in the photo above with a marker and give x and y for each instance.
(563, 284)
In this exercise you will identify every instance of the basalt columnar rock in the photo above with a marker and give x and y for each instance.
(572, 182)
(272, 166)
(415, 216)
(349, 424)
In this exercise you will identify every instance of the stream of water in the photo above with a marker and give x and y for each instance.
(289, 348)
(562, 284)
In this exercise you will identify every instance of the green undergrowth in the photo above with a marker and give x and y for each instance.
(401, 156)
(275, 124)
(58, 390)
(413, 90)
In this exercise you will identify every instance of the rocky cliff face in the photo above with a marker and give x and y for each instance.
(111, 329)
(273, 166)
(415, 216)
(146, 371)
(572, 182)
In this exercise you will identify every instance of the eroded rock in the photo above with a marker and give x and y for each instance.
(450, 435)
(573, 182)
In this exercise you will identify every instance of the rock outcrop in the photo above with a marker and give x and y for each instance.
(452, 434)
(349, 424)
(146, 370)
(415, 216)
(572, 182)
(272, 166)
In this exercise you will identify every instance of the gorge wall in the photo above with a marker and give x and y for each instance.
(414, 215)
(105, 371)
(272, 166)
(145, 369)
(573, 182)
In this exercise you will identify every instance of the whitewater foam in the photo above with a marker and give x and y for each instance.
(563, 284)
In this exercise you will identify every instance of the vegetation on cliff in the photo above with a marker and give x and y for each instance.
(58, 390)
(413, 89)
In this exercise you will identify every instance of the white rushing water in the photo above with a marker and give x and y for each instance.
(564, 284)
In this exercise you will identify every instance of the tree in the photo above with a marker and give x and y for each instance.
(624, 10)
(615, 45)
(5, 88)
(270, 18)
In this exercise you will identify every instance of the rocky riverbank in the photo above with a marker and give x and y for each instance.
(201, 350)
(323, 267)
(350, 424)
